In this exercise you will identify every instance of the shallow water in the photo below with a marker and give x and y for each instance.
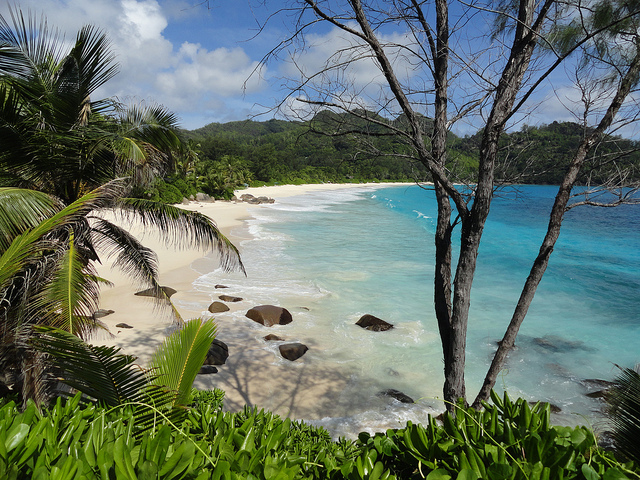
(332, 256)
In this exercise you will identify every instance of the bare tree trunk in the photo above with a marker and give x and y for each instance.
(553, 230)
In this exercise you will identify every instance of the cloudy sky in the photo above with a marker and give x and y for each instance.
(194, 58)
(201, 59)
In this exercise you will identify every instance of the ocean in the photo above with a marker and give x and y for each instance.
(332, 256)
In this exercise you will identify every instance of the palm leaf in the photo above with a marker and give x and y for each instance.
(624, 410)
(177, 361)
(131, 257)
(181, 228)
(99, 372)
(73, 294)
(21, 210)
(26, 45)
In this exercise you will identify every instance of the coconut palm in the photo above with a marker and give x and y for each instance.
(60, 141)
(57, 137)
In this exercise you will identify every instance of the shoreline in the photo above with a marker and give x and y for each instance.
(253, 374)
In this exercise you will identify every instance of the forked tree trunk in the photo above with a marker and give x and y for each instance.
(553, 230)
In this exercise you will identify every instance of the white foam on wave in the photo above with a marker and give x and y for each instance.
(392, 415)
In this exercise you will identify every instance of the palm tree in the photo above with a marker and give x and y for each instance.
(59, 141)
(57, 137)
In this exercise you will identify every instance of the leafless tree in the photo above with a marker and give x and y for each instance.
(450, 62)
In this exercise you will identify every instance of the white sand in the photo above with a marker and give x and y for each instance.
(252, 374)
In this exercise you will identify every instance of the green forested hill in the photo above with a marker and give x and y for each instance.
(279, 151)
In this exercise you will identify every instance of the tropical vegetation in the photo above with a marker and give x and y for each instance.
(69, 165)
(509, 440)
(68, 162)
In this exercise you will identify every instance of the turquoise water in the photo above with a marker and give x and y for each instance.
(344, 253)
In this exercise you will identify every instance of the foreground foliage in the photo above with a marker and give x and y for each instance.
(507, 440)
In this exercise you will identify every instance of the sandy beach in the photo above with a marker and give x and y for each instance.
(253, 374)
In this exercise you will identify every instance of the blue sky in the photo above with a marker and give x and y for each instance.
(199, 59)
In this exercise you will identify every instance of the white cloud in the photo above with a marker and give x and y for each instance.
(186, 77)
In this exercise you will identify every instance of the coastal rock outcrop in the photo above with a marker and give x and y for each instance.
(397, 394)
(374, 324)
(597, 388)
(269, 315)
(229, 298)
(293, 351)
(203, 197)
(221, 286)
(248, 198)
(150, 292)
(217, 307)
(217, 354)
(123, 325)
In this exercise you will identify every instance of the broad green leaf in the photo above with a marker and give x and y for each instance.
(439, 474)
(467, 474)
(16, 435)
(588, 472)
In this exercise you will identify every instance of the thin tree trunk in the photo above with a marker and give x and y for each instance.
(553, 230)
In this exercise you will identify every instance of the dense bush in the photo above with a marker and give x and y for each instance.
(509, 440)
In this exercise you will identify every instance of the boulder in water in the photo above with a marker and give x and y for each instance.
(269, 315)
(374, 324)
(229, 298)
(293, 351)
(218, 307)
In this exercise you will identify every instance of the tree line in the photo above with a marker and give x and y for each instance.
(230, 155)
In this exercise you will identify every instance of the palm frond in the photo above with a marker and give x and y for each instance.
(91, 62)
(99, 372)
(151, 124)
(177, 361)
(21, 210)
(132, 258)
(27, 44)
(624, 411)
(182, 228)
(73, 294)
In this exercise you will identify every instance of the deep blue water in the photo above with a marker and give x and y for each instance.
(356, 251)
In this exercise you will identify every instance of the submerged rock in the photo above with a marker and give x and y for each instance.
(293, 351)
(269, 315)
(273, 338)
(554, 343)
(397, 394)
(374, 324)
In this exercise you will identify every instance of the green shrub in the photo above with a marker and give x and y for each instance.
(508, 440)
(167, 193)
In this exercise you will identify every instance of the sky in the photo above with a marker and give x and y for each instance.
(202, 59)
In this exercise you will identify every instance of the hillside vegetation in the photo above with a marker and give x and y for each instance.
(331, 148)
